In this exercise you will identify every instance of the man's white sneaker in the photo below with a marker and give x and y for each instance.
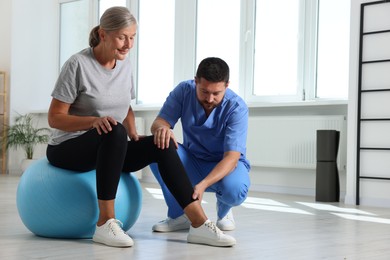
(112, 234)
(209, 234)
(172, 224)
(227, 223)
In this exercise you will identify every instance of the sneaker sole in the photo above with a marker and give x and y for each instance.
(204, 241)
(177, 228)
(224, 228)
(119, 244)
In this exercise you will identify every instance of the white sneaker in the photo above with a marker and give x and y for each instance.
(112, 234)
(227, 223)
(172, 224)
(209, 234)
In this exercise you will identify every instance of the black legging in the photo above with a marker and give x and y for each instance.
(111, 154)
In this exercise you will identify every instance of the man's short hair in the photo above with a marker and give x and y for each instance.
(213, 69)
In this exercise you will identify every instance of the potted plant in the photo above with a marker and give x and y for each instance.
(26, 135)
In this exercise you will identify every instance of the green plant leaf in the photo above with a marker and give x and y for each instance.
(25, 134)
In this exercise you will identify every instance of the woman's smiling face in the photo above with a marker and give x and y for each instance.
(120, 42)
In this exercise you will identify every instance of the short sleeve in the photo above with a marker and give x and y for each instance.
(172, 109)
(66, 87)
(236, 130)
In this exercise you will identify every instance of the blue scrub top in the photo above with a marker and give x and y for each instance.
(207, 138)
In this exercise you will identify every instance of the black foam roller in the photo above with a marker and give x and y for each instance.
(327, 182)
(327, 145)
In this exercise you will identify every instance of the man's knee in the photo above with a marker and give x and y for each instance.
(241, 195)
(154, 168)
(234, 195)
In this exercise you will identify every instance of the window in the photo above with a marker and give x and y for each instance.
(279, 46)
(105, 4)
(333, 49)
(300, 51)
(75, 24)
(218, 34)
(277, 51)
(155, 50)
(73, 15)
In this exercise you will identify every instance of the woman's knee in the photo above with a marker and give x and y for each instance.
(118, 132)
(171, 148)
(167, 153)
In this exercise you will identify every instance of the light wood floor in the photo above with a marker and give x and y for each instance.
(269, 226)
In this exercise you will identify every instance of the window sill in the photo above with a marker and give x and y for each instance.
(308, 103)
(154, 107)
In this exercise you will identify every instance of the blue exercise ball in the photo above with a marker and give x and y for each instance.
(58, 203)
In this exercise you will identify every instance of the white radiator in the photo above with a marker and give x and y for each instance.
(290, 141)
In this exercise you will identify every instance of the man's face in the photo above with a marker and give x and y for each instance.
(210, 94)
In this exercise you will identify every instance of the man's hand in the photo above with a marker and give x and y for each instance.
(199, 189)
(162, 136)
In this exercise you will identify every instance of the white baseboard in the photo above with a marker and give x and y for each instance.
(282, 190)
(375, 202)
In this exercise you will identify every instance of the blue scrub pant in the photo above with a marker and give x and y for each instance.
(231, 191)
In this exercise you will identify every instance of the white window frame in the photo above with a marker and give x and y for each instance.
(91, 18)
(307, 57)
(185, 50)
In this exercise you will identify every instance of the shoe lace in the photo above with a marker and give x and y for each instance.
(167, 220)
(228, 217)
(211, 225)
(116, 227)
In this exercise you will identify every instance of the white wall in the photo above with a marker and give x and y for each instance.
(34, 54)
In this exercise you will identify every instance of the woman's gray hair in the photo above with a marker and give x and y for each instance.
(113, 19)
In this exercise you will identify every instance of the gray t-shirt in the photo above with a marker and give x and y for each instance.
(93, 90)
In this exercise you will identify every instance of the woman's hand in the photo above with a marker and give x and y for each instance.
(103, 124)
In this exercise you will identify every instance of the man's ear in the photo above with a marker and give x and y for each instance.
(227, 84)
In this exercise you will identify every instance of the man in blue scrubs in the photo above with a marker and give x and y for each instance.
(215, 123)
